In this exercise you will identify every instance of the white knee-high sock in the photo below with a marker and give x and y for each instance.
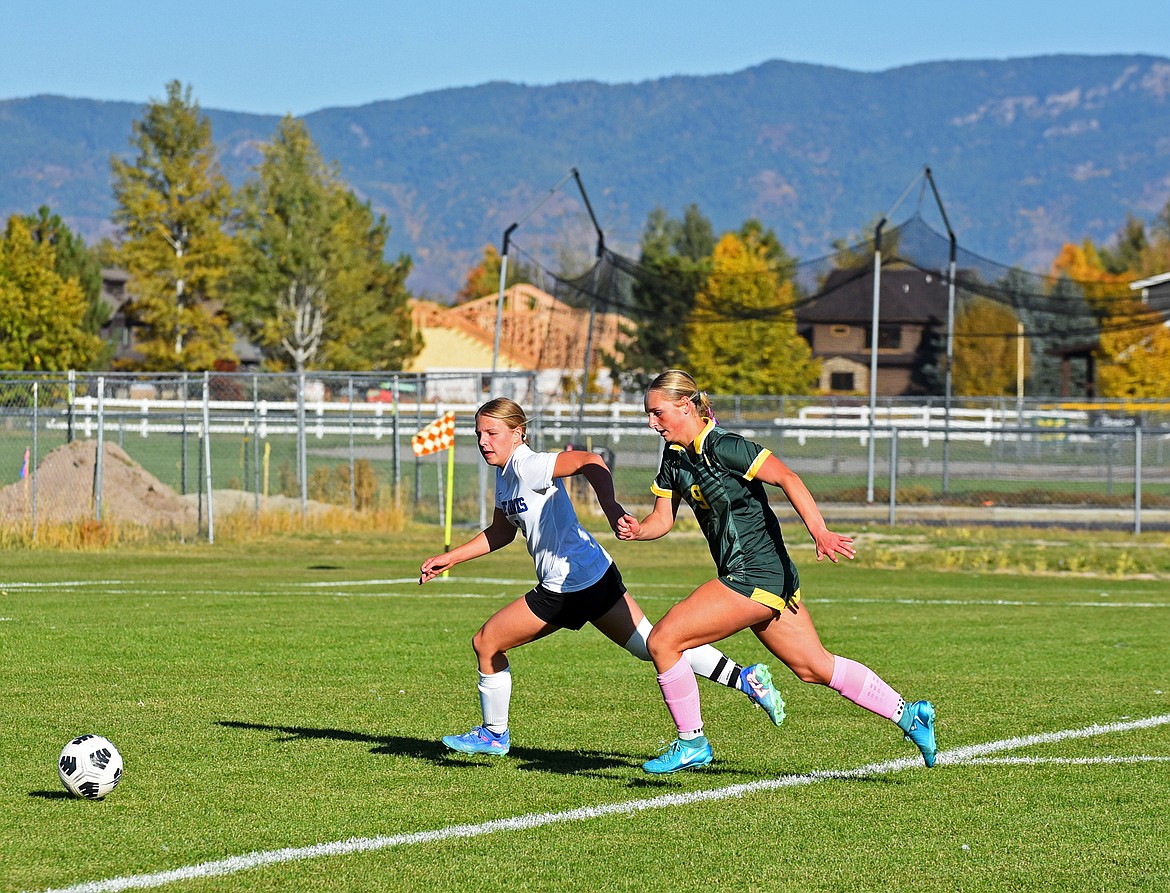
(706, 660)
(495, 694)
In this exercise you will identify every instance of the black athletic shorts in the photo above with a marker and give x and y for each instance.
(572, 610)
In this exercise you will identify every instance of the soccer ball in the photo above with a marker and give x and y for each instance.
(90, 766)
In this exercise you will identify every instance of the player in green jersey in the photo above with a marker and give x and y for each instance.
(722, 476)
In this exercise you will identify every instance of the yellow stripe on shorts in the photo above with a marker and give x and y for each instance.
(774, 601)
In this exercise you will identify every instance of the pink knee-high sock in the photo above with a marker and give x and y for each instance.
(865, 688)
(680, 690)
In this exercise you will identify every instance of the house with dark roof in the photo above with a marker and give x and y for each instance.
(1155, 293)
(121, 329)
(912, 316)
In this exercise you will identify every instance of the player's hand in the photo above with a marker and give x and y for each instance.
(432, 567)
(628, 527)
(830, 545)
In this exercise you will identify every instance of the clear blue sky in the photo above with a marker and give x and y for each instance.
(293, 56)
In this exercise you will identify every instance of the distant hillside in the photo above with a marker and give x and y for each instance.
(1027, 154)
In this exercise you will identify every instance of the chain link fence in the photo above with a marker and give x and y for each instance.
(179, 451)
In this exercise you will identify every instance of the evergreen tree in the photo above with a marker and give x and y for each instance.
(313, 290)
(42, 315)
(1126, 258)
(371, 328)
(675, 256)
(173, 207)
(72, 259)
(928, 374)
(1060, 319)
(773, 251)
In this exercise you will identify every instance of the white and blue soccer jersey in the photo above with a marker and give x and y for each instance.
(566, 556)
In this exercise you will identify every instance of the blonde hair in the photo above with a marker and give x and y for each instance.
(507, 411)
(678, 385)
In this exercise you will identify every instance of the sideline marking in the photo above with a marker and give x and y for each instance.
(1063, 761)
(62, 584)
(341, 589)
(235, 864)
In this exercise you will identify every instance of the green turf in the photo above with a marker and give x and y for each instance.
(257, 710)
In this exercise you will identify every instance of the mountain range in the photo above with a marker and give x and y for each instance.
(1027, 154)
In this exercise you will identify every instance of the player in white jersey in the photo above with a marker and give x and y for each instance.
(576, 580)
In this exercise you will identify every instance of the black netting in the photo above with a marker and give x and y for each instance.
(620, 304)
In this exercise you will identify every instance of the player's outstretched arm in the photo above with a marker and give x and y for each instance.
(656, 524)
(495, 536)
(829, 545)
(593, 468)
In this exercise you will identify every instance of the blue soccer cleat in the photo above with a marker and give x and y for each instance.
(680, 754)
(918, 723)
(480, 740)
(756, 680)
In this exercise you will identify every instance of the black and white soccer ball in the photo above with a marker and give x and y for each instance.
(90, 766)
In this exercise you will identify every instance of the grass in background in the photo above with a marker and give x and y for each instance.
(291, 690)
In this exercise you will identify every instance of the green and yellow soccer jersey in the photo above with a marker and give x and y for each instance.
(720, 486)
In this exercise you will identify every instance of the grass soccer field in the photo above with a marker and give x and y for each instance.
(279, 707)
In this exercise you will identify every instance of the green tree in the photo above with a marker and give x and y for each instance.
(742, 333)
(855, 251)
(1055, 316)
(72, 260)
(42, 315)
(313, 289)
(173, 208)
(1131, 244)
(672, 266)
(371, 327)
(692, 238)
(779, 260)
(1156, 256)
(986, 350)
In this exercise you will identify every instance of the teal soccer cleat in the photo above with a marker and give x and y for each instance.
(756, 680)
(918, 723)
(480, 740)
(680, 754)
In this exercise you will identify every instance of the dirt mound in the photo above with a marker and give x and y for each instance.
(65, 490)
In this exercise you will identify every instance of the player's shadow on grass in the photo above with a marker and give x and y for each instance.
(600, 763)
(407, 747)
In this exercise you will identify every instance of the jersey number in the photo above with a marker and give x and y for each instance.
(697, 496)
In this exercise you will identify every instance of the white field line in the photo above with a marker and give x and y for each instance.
(62, 584)
(426, 592)
(1063, 761)
(234, 864)
(993, 602)
(439, 588)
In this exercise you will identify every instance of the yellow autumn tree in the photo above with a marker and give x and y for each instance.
(1133, 352)
(987, 350)
(173, 206)
(42, 315)
(742, 331)
(1084, 266)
